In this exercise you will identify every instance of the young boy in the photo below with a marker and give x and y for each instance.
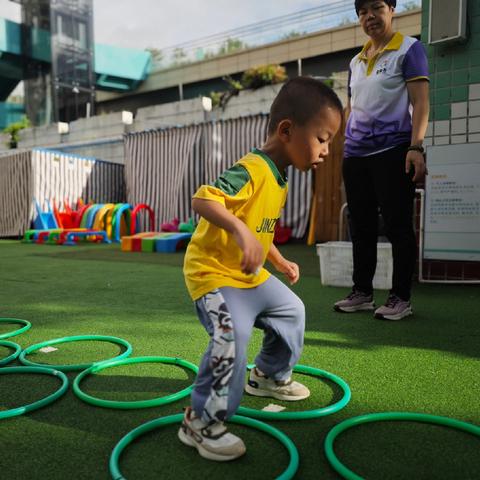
(225, 276)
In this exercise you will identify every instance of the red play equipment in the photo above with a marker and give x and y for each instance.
(133, 223)
(70, 218)
(77, 216)
(64, 219)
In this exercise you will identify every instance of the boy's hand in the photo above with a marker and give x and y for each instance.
(290, 269)
(282, 265)
(252, 249)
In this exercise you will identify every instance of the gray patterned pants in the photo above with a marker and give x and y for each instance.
(229, 315)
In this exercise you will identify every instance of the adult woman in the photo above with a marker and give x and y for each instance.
(383, 156)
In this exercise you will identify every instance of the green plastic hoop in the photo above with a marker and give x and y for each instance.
(383, 417)
(306, 414)
(162, 421)
(17, 349)
(39, 403)
(76, 338)
(26, 326)
(138, 403)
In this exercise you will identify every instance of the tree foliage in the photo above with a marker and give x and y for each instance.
(156, 53)
(14, 129)
(252, 78)
(231, 45)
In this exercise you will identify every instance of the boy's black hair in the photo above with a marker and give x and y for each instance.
(300, 99)
(359, 3)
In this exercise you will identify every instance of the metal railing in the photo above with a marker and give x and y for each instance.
(294, 25)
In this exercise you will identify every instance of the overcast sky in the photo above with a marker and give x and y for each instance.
(163, 23)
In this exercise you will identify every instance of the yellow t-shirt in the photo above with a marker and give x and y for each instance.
(255, 192)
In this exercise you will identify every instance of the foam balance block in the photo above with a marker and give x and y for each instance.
(172, 242)
(133, 243)
(148, 244)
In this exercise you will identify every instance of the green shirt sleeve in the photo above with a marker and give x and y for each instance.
(231, 181)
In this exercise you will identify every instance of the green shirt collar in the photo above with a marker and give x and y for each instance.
(281, 179)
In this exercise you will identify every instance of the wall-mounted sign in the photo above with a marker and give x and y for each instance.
(452, 203)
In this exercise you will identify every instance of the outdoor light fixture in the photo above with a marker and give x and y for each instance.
(62, 127)
(207, 104)
(127, 117)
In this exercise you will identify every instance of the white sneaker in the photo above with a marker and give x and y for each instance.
(212, 441)
(263, 386)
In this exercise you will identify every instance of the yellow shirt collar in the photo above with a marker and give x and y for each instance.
(394, 44)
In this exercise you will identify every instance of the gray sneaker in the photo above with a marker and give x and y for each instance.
(263, 386)
(354, 302)
(212, 441)
(394, 309)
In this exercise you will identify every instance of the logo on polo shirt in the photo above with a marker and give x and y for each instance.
(267, 225)
(382, 68)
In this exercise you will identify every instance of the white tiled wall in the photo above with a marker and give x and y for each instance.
(459, 139)
(474, 91)
(464, 125)
(441, 127)
(474, 108)
(474, 137)
(459, 109)
(459, 126)
(441, 140)
(473, 125)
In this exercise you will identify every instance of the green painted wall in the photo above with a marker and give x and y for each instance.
(455, 82)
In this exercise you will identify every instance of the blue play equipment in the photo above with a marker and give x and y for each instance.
(45, 220)
(91, 214)
(70, 237)
(172, 243)
(117, 221)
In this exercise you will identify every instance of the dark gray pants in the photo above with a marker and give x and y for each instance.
(229, 315)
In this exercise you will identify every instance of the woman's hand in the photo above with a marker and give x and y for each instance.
(416, 160)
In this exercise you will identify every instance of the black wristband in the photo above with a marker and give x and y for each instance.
(416, 148)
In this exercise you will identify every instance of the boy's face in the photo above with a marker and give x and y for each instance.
(309, 144)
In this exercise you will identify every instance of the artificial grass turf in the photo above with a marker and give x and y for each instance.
(427, 364)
